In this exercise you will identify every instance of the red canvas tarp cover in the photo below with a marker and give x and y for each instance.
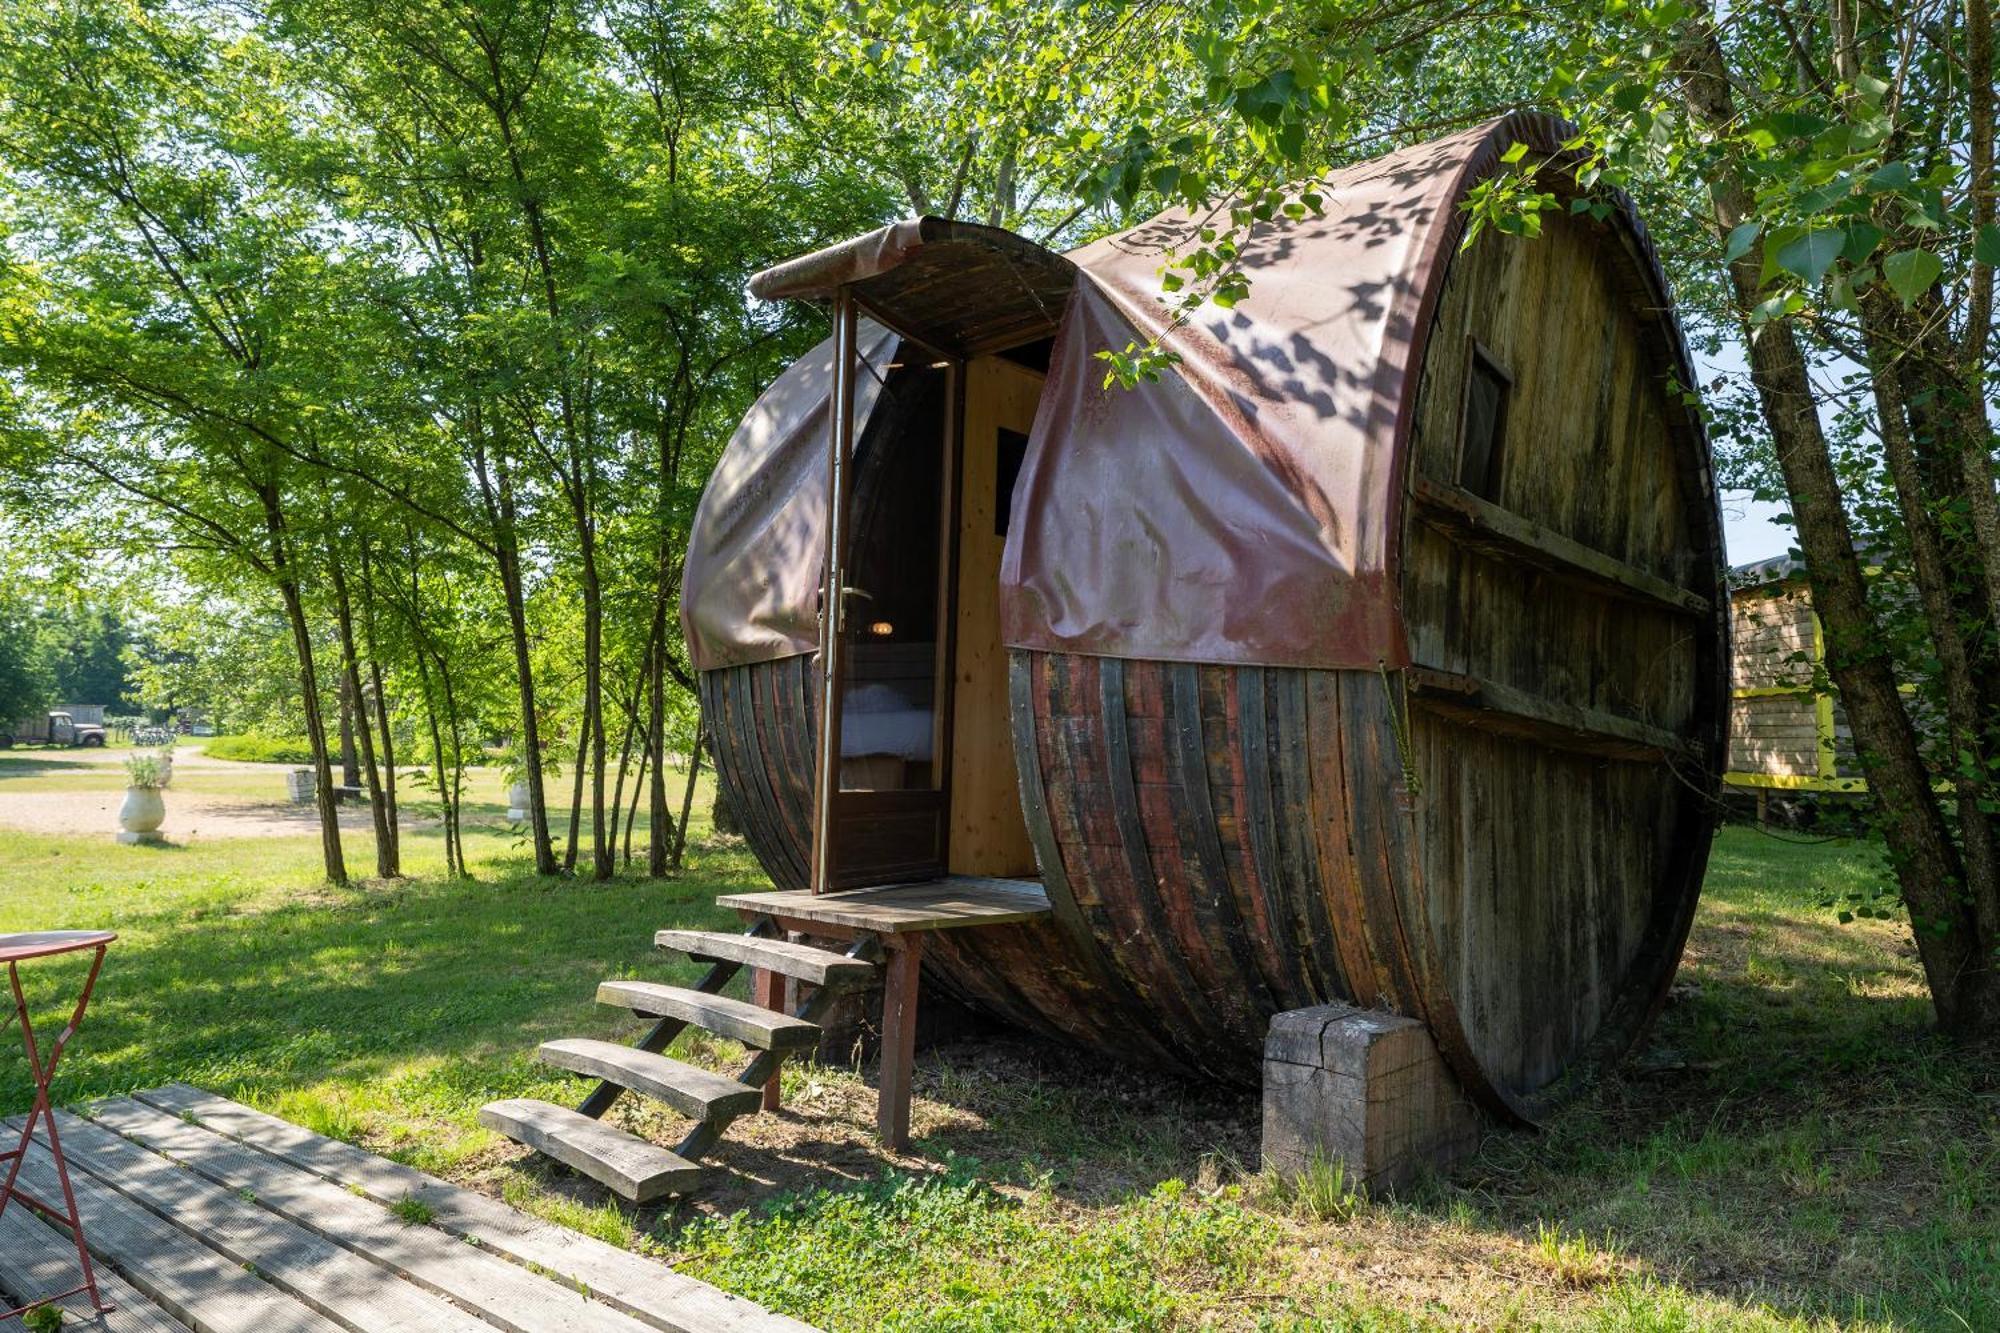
(1242, 509)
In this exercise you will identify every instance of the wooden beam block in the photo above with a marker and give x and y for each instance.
(1481, 525)
(626, 1164)
(1511, 711)
(1364, 1088)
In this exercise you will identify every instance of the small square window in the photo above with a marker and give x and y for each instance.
(1483, 426)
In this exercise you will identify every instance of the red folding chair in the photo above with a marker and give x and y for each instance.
(15, 950)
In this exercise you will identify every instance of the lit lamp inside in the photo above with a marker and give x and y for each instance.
(881, 629)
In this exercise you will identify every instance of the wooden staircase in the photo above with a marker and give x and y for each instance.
(639, 1169)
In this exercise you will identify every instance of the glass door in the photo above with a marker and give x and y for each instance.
(885, 650)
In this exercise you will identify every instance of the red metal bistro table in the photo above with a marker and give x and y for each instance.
(15, 950)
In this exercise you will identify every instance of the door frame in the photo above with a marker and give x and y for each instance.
(831, 806)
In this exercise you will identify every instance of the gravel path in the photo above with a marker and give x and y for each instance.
(190, 816)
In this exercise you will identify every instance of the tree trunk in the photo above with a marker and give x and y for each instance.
(656, 742)
(350, 769)
(295, 612)
(350, 689)
(531, 732)
(1928, 869)
(576, 787)
(451, 862)
(381, 709)
(602, 866)
(687, 803)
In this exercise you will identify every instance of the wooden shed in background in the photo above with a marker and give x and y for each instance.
(1376, 653)
(1787, 730)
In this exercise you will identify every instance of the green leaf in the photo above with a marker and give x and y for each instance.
(1986, 248)
(1910, 273)
(1740, 241)
(1891, 176)
(1811, 255)
(1862, 238)
(1515, 152)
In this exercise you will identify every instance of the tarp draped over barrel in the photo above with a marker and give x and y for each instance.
(1241, 509)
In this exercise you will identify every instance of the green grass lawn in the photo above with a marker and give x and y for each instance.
(1793, 1150)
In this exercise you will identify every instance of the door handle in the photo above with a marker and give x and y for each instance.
(840, 625)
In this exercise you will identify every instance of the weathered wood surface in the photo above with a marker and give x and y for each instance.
(1487, 705)
(649, 1291)
(36, 1259)
(323, 1276)
(1517, 865)
(504, 1294)
(195, 1284)
(628, 1165)
(689, 1089)
(987, 834)
(1487, 527)
(1362, 1088)
(802, 962)
(726, 1017)
(956, 902)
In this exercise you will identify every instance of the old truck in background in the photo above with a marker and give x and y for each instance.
(56, 728)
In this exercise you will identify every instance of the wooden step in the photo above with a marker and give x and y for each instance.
(691, 1091)
(764, 1028)
(802, 962)
(628, 1165)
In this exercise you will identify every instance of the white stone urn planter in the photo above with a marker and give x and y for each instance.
(517, 802)
(139, 819)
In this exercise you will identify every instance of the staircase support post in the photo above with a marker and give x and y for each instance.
(903, 971)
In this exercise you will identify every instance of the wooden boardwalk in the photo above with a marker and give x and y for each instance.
(208, 1216)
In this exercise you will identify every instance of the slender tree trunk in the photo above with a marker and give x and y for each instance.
(496, 489)
(451, 864)
(350, 685)
(455, 792)
(601, 850)
(368, 640)
(295, 612)
(1928, 869)
(638, 788)
(687, 804)
(350, 769)
(656, 742)
(576, 787)
(624, 766)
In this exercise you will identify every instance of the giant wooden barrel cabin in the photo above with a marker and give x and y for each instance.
(1375, 653)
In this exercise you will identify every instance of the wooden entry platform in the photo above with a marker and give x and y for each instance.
(898, 916)
(206, 1215)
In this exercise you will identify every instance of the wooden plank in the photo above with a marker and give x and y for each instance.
(747, 1023)
(648, 1290)
(1486, 527)
(951, 903)
(899, 1041)
(688, 1089)
(1504, 709)
(36, 1259)
(193, 1283)
(802, 962)
(503, 1293)
(625, 1163)
(333, 1281)
(988, 834)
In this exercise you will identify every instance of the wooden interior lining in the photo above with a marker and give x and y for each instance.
(988, 835)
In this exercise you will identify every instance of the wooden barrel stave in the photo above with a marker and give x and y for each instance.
(1225, 842)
